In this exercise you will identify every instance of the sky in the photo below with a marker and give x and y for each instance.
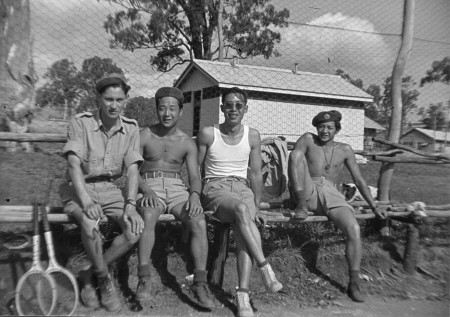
(362, 37)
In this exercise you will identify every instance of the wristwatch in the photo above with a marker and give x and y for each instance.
(131, 202)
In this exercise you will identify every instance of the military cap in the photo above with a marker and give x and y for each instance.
(111, 79)
(326, 116)
(169, 92)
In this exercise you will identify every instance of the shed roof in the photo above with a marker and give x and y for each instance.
(440, 135)
(276, 80)
(370, 124)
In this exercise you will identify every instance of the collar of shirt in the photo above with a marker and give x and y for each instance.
(99, 122)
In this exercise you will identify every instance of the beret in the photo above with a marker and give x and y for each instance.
(111, 79)
(169, 92)
(326, 116)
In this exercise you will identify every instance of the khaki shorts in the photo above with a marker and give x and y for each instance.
(106, 194)
(325, 196)
(225, 191)
(170, 191)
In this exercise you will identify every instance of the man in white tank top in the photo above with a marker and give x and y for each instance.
(226, 151)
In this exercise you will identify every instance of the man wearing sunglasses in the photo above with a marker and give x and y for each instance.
(226, 152)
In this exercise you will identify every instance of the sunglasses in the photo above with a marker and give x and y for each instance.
(231, 105)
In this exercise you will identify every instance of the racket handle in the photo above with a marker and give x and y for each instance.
(45, 218)
(35, 219)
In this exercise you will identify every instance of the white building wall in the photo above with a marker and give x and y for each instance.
(291, 120)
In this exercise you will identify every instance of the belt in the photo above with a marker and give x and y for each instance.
(99, 179)
(223, 179)
(161, 174)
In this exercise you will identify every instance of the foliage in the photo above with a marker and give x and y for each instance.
(381, 108)
(61, 88)
(143, 110)
(92, 70)
(434, 117)
(71, 89)
(184, 29)
(439, 72)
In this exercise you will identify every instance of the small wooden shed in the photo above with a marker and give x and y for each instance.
(282, 102)
(427, 140)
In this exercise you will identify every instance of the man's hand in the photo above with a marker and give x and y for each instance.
(133, 220)
(260, 219)
(150, 199)
(93, 211)
(380, 213)
(193, 205)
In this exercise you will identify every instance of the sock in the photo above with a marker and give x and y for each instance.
(260, 265)
(200, 276)
(144, 270)
(101, 273)
(300, 198)
(354, 275)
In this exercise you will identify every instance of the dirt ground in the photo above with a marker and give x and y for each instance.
(308, 259)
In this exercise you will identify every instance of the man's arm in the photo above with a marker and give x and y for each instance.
(302, 142)
(195, 184)
(132, 160)
(204, 139)
(255, 163)
(91, 209)
(150, 199)
(352, 165)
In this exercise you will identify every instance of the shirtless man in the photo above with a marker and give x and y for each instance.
(165, 149)
(314, 167)
(225, 152)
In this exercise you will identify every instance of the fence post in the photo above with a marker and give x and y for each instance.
(219, 253)
(411, 249)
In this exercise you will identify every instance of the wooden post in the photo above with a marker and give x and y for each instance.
(219, 254)
(387, 169)
(411, 249)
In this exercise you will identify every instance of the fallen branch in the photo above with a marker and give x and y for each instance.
(411, 149)
(381, 153)
(409, 159)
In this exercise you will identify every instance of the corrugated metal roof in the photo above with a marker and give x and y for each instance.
(370, 124)
(440, 135)
(278, 80)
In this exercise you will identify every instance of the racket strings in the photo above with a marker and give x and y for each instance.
(35, 295)
(66, 293)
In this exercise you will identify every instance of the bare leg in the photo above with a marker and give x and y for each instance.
(244, 261)
(121, 244)
(300, 183)
(344, 219)
(238, 214)
(199, 239)
(147, 241)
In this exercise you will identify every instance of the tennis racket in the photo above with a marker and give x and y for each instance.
(35, 291)
(67, 295)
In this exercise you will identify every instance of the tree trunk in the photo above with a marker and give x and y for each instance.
(387, 169)
(220, 30)
(17, 77)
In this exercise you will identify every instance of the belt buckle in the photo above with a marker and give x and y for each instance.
(159, 174)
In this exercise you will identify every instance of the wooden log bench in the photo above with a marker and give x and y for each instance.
(219, 252)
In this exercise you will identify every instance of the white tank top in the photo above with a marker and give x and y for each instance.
(224, 160)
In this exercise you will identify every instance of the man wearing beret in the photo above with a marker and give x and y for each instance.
(165, 149)
(228, 153)
(100, 146)
(314, 167)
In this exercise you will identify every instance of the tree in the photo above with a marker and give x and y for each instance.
(92, 70)
(434, 117)
(62, 88)
(381, 108)
(184, 29)
(439, 72)
(143, 110)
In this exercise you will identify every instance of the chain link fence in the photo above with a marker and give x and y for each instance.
(294, 58)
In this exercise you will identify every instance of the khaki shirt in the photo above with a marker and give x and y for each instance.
(101, 155)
